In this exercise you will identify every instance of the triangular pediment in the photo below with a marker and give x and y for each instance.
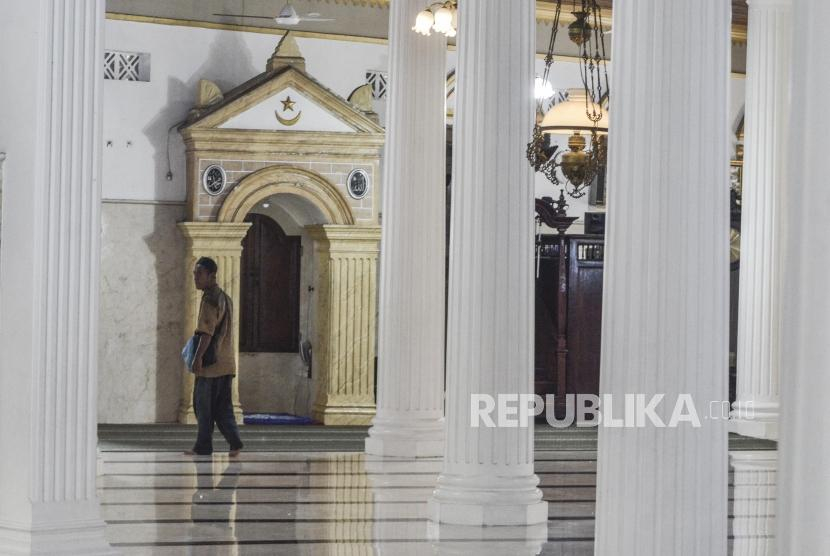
(284, 100)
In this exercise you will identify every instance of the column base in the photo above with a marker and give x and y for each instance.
(514, 501)
(487, 540)
(413, 439)
(757, 418)
(54, 537)
(755, 428)
(186, 416)
(485, 514)
(343, 415)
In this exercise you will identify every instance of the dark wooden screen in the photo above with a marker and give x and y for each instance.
(583, 312)
(269, 319)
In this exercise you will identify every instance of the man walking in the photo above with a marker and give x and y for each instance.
(212, 386)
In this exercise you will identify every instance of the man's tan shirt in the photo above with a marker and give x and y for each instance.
(216, 319)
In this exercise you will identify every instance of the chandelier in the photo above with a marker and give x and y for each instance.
(581, 115)
(441, 17)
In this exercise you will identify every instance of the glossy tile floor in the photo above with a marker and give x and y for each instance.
(338, 503)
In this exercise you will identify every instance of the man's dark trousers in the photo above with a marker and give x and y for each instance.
(212, 404)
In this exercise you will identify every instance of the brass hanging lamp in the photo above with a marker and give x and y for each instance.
(582, 114)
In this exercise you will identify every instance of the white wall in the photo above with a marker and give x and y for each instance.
(140, 114)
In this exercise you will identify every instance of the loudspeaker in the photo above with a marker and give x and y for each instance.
(595, 223)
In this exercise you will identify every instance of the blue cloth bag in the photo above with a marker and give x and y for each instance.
(189, 351)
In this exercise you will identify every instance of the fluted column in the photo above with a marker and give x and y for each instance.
(223, 243)
(753, 506)
(344, 344)
(804, 441)
(755, 411)
(488, 474)
(410, 400)
(51, 53)
(665, 299)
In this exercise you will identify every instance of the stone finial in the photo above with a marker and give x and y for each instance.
(287, 53)
(361, 98)
(209, 93)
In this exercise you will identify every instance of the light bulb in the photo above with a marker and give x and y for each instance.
(423, 23)
(542, 89)
(443, 20)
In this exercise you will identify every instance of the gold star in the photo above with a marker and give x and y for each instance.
(288, 104)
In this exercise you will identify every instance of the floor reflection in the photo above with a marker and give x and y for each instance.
(353, 505)
(752, 526)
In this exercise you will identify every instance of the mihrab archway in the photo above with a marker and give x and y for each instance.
(276, 180)
(319, 156)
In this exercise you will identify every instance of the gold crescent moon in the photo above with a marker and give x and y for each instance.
(288, 121)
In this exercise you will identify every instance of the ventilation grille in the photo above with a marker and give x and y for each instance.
(377, 79)
(126, 66)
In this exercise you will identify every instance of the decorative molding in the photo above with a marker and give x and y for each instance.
(303, 84)
(244, 28)
(276, 180)
(544, 14)
(142, 202)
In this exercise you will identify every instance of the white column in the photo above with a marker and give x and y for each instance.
(488, 474)
(410, 392)
(804, 442)
(665, 299)
(755, 411)
(51, 53)
(753, 508)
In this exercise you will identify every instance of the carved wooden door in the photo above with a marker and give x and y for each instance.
(270, 289)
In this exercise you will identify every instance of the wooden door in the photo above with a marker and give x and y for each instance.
(269, 319)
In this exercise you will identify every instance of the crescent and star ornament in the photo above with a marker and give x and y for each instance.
(288, 106)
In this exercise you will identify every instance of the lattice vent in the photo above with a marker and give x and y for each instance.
(378, 80)
(126, 66)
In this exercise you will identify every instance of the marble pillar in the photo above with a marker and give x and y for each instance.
(410, 401)
(663, 490)
(344, 343)
(804, 440)
(753, 506)
(488, 477)
(755, 411)
(51, 53)
(223, 243)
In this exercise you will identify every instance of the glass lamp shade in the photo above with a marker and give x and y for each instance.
(570, 117)
(443, 20)
(423, 23)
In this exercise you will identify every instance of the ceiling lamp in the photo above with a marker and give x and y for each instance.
(570, 116)
(542, 89)
(581, 115)
(441, 17)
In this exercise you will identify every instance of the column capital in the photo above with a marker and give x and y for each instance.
(220, 235)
